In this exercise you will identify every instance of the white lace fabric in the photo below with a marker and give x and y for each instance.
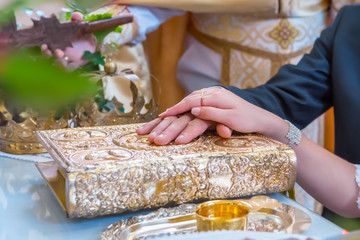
(357, 178)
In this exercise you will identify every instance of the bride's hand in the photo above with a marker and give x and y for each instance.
(219, 105)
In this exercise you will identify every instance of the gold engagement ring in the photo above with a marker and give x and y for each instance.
(201, 97)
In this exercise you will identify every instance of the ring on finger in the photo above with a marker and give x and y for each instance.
(201, 97)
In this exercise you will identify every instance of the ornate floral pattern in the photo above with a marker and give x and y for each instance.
(120, 171)
(284, 33)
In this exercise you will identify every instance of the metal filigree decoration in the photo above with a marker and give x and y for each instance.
(111, 169)
(19, 136)
(116, 230)
(17, 130)
(17, 126)
(266, 215)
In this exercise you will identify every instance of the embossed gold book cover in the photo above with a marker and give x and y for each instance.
(111, 169)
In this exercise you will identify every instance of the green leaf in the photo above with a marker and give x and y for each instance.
(73, 5)
(34, 81)
(83, 6)
(68, 15)
(118, 29)
(101, 34)
(7, 13)
(96, 17)
(94, 58)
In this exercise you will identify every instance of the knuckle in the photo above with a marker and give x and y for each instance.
(186, 118)
(218, 94)
(155, 121)
(201, 122)
(195, 92)
(171, 128)
(204, 113)
(186, 101)
(170, 118)
(194, 124)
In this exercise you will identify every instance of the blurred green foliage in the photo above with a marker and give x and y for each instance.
(94, 58)
(67, 16)
(7, 13)
(100, 35)
(83, 6)
(96, 17)
(349, 224)
(29, 79)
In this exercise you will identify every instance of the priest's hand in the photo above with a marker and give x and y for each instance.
(71, 57)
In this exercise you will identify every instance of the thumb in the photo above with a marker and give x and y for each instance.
(223, 130)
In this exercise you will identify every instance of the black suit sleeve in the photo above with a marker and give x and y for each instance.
(303, 92)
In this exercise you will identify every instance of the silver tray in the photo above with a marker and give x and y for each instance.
(267, 215)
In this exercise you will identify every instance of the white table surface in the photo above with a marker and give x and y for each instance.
(29, 210)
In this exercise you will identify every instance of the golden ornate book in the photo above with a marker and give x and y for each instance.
(109, 170)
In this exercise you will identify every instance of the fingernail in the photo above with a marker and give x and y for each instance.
(142, 126)
(195, 111)
(161, 136)
(153, 134)
(180, 137)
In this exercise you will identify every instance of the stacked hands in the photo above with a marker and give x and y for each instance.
(220, 109)
(212, 108)
(71, 57)
(209, 108)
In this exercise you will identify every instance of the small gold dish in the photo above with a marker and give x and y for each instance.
(264, 214)
(221, 215)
